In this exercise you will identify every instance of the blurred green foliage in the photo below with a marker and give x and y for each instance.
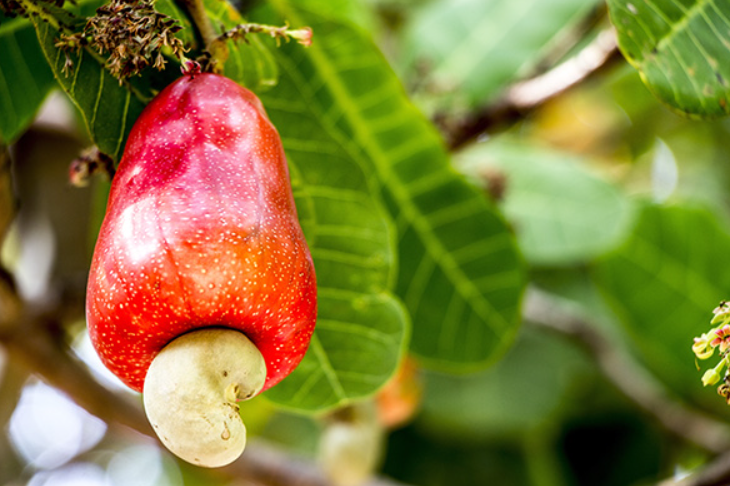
(603, 198)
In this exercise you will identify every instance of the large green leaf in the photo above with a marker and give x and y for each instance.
(680, 47)
(108, 109)
(663, 283)
(460, 274)
(473, 48)
(361, 328)
(250, 62)
(25, 78)
(563, 214)
(515, 397)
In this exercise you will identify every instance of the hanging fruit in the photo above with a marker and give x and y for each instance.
(202, 289)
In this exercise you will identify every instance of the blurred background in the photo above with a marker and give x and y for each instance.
(620, 209)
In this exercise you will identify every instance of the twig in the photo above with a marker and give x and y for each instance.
(37, 348)
(35, 343)
(12, 380)
(630, 377)
(716, 473)
(200, 18)
(241, 31)
(567, 39)
(527, 95)
(7, 199)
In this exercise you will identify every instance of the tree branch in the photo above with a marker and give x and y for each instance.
(200, 18)
(525, 96)
(629, 377)
(7, 199)
(37, 348)
(12, 380)
(716, 473)
(35, 340)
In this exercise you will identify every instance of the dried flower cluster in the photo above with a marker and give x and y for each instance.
(89, 163)
(132, 32)
(11, 8)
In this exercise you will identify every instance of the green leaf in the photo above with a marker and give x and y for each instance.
(460, 275)
(251, 63)
(108, 109)
(25, 78)
(515, 397)
(680, 48)
(356, 347)
(663, 283)
(362, 328)
(473, 48)
(563, 214)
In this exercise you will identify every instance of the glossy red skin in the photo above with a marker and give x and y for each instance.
(201, 231)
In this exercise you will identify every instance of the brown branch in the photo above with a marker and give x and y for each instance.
(7, 199)
(568, 39)
(12, 380)
(629, 377)
(35, 346)
(196, 10)
(716, 473)
(38, 348)
(35, 342)
(525, 96)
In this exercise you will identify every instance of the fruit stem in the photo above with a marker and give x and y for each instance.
(191, 393)
(196, 9)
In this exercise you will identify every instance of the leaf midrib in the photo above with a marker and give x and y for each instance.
(674, 28)
(677, 28)
(434, 247)
(327, 369)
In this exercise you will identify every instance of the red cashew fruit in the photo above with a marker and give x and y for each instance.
(202, 289)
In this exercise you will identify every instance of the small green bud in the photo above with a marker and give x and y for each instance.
(710, 377)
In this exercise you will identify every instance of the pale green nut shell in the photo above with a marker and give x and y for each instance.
(191, 393)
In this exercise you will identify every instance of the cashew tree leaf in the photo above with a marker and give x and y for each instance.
(250, 62)
(459, 272)
(362, 328)
(468, 50)
(25, 78)
(109, 108)
(663, 283)
(563, 213)
(680, 48)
